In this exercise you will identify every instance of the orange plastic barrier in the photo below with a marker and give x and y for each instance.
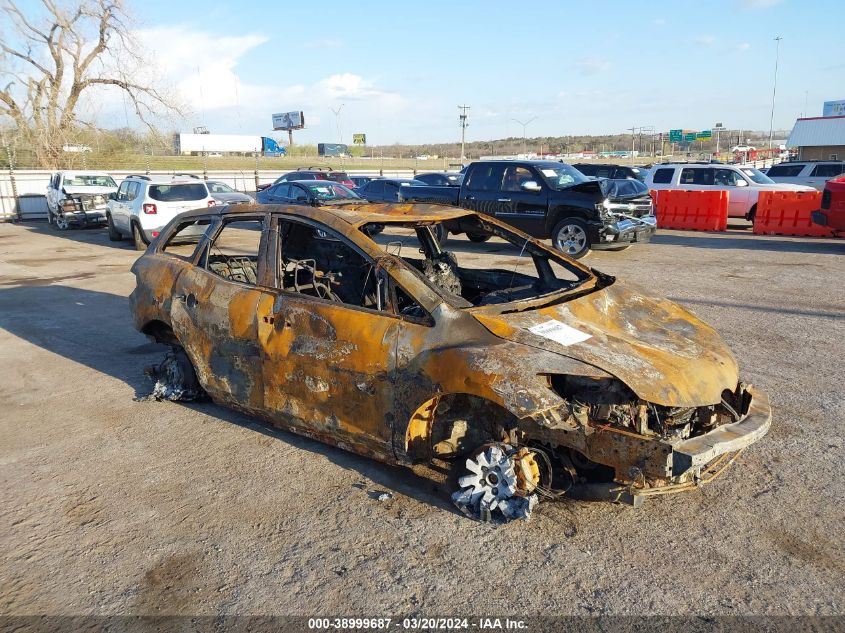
(788, 213)
(691, 210)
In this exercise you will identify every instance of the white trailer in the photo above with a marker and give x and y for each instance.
(222, 143)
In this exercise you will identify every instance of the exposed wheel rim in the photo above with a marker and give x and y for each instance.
(61, 222)
(571, 239)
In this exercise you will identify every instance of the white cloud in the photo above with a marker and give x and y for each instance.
(201, 66)
(744, 46)
(592, 65)
(659, 22)
(704, 40)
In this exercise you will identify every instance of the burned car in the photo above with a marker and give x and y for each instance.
(539, 379)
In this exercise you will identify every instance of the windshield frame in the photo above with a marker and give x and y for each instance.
(67, 181)
(578, 177)
(756, 176)
(312, 184)
(588, 279)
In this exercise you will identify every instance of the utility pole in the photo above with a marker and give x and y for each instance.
(462, 117)
(524, 124)
(774, 89)
(633, 137)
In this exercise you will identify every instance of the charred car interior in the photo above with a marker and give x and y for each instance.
(538, 378)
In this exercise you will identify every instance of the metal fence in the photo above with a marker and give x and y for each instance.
(22, 192)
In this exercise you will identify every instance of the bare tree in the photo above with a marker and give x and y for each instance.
(57, 58)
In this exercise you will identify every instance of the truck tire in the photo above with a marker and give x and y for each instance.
(137, 239)
(114, 234)
(752, 213)
(441, 233)
(478, 237)
(570, 237)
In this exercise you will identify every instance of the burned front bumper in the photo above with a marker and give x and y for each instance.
(648, 466)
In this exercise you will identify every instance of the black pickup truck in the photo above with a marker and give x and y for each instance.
(547, 199)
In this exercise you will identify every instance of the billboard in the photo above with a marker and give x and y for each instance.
(288, 121)
(834, 108)
(359, 139)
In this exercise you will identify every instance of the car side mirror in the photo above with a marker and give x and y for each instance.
(741, 183)
(113, 195)
(531, 185)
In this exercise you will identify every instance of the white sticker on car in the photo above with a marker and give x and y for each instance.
(559, 332)
(549, 173)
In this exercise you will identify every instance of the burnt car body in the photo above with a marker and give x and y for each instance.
(318, 329)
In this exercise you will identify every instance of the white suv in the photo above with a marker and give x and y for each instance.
(143, 205)
(743, 184)
(812, 173)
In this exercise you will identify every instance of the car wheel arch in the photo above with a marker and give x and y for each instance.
(439, 419)
(558, 213)
(160, 332)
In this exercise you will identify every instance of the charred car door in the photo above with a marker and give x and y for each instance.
(213, 311)
(328, 345)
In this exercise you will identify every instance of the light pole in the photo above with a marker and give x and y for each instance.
(337, 122)
(774, 89)
(524, 125)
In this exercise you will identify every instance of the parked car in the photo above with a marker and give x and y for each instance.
(78, 198)
(832, 212)
(547, 373)
(143, 205)
(742, 183)
(809, 172)
(313, 173)
(360, 181)
(611, 171)
(549, 199)
(309, 192)
(387, 189)
(224, 194)
(441, 179)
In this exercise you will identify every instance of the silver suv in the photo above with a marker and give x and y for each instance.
(811, 172)
(143, 205)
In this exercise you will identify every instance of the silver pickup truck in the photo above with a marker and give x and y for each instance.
(78, 198)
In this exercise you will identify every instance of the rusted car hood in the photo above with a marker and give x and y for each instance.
(660, 350)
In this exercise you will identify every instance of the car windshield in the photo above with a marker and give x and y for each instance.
(526, 275)
(220, 187)
(187, 192)
(561, 176)
(326, 191)
(757, 176)
(83, 180)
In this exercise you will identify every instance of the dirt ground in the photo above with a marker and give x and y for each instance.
(113, 506)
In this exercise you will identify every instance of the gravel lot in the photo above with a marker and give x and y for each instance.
(112, 506)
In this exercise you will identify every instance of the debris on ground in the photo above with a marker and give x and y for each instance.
(385, 496)
(173, 380)
(492, 489)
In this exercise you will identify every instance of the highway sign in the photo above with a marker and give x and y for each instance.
(676, 136)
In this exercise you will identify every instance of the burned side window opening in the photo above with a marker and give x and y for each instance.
(315, 263)
(523, 271)
(183, 242)
(234, 253)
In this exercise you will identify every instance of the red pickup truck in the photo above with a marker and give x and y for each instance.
(832, 212)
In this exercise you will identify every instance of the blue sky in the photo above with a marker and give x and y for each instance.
(401, 69)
